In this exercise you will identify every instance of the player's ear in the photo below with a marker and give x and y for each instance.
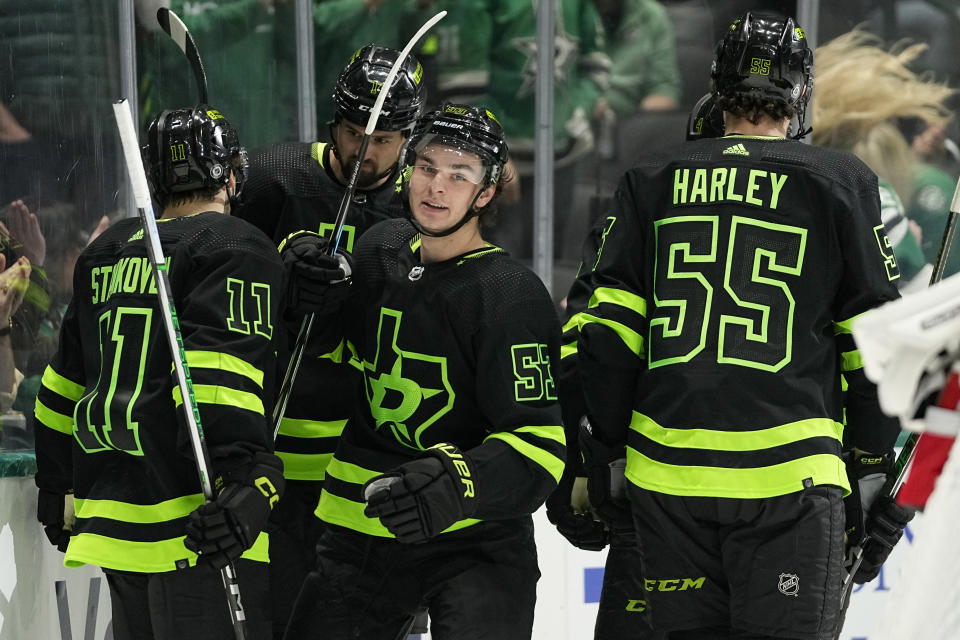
(485, 197)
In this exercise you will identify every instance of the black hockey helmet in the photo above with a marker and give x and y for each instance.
(362, 80)
(190, 149)
(466, 129)
(471, 129)
(765, 55)
(706, 119)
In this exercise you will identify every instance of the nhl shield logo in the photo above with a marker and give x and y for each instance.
(789, 584)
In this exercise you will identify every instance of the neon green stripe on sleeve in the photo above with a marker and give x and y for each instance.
(60, 385)
(212, 394)
(224, 362)
(50, 418)
(633, 340)
(138, 513)
(619, 297)
(552, 464)
(851, 360)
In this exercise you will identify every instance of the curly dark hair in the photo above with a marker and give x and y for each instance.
(752, 108)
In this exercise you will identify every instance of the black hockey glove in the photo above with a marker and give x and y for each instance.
(220, 531)
(606, 484)
(315, 282)
(55, 513)
(885, 526)
(568, 509)
(421, 498)
(866, 472)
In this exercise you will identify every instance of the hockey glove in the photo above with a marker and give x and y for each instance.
(315, 282)
(220, 531)
(885, 526)
(55, 513)
(867, 472)
(606, 483)
(421, 498)
(568, 509)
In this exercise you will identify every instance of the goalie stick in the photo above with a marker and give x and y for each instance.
(296, 356)
(896, 474)
(178, 32)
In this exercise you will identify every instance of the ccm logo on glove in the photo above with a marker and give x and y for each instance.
(268, 490)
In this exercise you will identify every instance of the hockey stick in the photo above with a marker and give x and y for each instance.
(895, 476)
(296, 356)
(178, 32)
(171, 325)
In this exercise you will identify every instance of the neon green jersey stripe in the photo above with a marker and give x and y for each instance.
(845, 326)
(721, 482)
(851, 360)
(736, 440)
(50, 418)
(551, 432)
(224, 362)
(212, 394)
(619, 297)
(60, 385)
(349, 472)
(631, 338)
(305, 466)
(296, 428)
(568, 350)
(138, 513)
(545, 459)
(142, 557)
(349, 514)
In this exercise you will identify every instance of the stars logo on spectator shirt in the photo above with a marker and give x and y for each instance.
(565, 52)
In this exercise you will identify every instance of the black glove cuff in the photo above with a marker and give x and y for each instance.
(264, 471)
(596, 453)
(459, 466)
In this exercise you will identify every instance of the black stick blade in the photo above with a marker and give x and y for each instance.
(171, 23)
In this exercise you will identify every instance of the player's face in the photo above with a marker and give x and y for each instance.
(382, 152)
(443, 185)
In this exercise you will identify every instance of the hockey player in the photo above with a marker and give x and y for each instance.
(429, 495)
(111, 438)
(715, 331)
(296, 186)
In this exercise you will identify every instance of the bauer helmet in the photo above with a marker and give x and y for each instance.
(464, 129)
(362, 79)
(190, 149)
(765, 55)
(706, 119)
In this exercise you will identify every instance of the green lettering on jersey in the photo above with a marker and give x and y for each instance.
(531, 368)
(346, 240)
(103, 419)
(762, 258)
(886, 250)
(407, 391)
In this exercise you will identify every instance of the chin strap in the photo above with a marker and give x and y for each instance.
(471, 212)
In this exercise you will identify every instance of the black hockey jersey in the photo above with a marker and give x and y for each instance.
(292, 187)
(109, 423)
(458, 351)
(721, 291)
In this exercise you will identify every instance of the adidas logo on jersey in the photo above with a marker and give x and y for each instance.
(136, 236)
(737, 150)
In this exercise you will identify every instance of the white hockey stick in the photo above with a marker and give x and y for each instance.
(296, 356)
(141, 194)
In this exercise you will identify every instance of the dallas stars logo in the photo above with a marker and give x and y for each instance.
(565, 48)
(407, 391)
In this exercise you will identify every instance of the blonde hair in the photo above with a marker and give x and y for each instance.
(860, 89)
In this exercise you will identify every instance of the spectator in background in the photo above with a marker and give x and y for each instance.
(59, 73)
(13, 284)
(934, 181)
(639, 36)
(861, 90)
(248, 49)
(487, 55)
